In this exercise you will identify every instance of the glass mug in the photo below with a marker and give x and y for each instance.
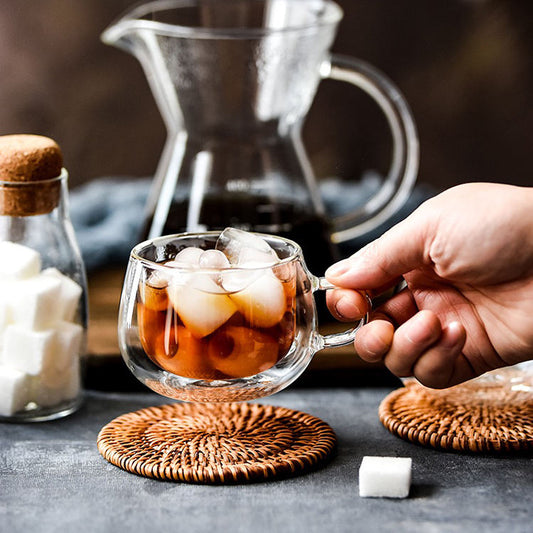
(194, 327)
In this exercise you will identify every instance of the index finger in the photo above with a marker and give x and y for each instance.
(382, 262)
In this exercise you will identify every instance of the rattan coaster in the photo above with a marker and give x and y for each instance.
(478, 416)
(216, 443)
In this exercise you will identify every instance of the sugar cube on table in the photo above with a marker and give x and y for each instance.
(385, 477)
(69, 294)
(18, 261)
(28, 351)
(14, 390)
(35, 302)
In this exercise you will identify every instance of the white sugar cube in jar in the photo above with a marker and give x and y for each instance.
(43, 288)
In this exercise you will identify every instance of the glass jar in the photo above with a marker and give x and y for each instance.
(43, 302)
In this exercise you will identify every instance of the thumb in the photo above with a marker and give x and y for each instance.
(398, 251)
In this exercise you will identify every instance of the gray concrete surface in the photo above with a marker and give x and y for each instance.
(52, 479)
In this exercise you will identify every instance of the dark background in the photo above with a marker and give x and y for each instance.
(465, 67)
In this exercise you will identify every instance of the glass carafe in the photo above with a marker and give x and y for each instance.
(234, 81)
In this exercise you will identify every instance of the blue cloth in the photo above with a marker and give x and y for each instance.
(107, 214)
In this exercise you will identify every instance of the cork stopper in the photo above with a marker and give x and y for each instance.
(29, 168)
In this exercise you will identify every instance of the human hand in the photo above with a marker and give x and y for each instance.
(466, 256)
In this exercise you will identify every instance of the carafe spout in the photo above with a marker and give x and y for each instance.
(121, 34)
(124, 32)
(135, 35)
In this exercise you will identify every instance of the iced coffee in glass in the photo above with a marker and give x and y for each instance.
(220, 316)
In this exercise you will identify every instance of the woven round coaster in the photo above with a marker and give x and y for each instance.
(216, 443)
(478, 416)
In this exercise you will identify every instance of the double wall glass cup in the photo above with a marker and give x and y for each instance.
(217, 317)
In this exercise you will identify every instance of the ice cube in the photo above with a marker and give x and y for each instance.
(35, 302)
(235, 280)
(69, 294)
(187, 257)
(190, 359)
(251, 267)
(201, 312)
(245, 249)
(248, 252)
(205, 282)
(252, 258)
(262, 302)
(211, 281)
(154, 292)
(18, 261)
(28, 351)
(192, 259)
(213, 259)
(14, 390)
(239, 352)
(385, 477)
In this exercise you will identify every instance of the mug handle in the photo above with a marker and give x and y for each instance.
(334, 340)
(405, 154)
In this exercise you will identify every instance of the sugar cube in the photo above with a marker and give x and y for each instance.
(14, 390)
(66, 352)
(69, 295)
(68, 339)
(385, 477)
(28, 351)
(18, 261)
(66, 386)
(71, 384)
(40, 344)
(43, 395)
(34, 302)
(4, 317)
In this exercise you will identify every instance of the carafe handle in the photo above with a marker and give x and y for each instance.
(403, 170)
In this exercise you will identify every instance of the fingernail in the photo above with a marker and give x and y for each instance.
(376, 347)
(338, 268)
(418, 334)
(346, 309)
(452, 334)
